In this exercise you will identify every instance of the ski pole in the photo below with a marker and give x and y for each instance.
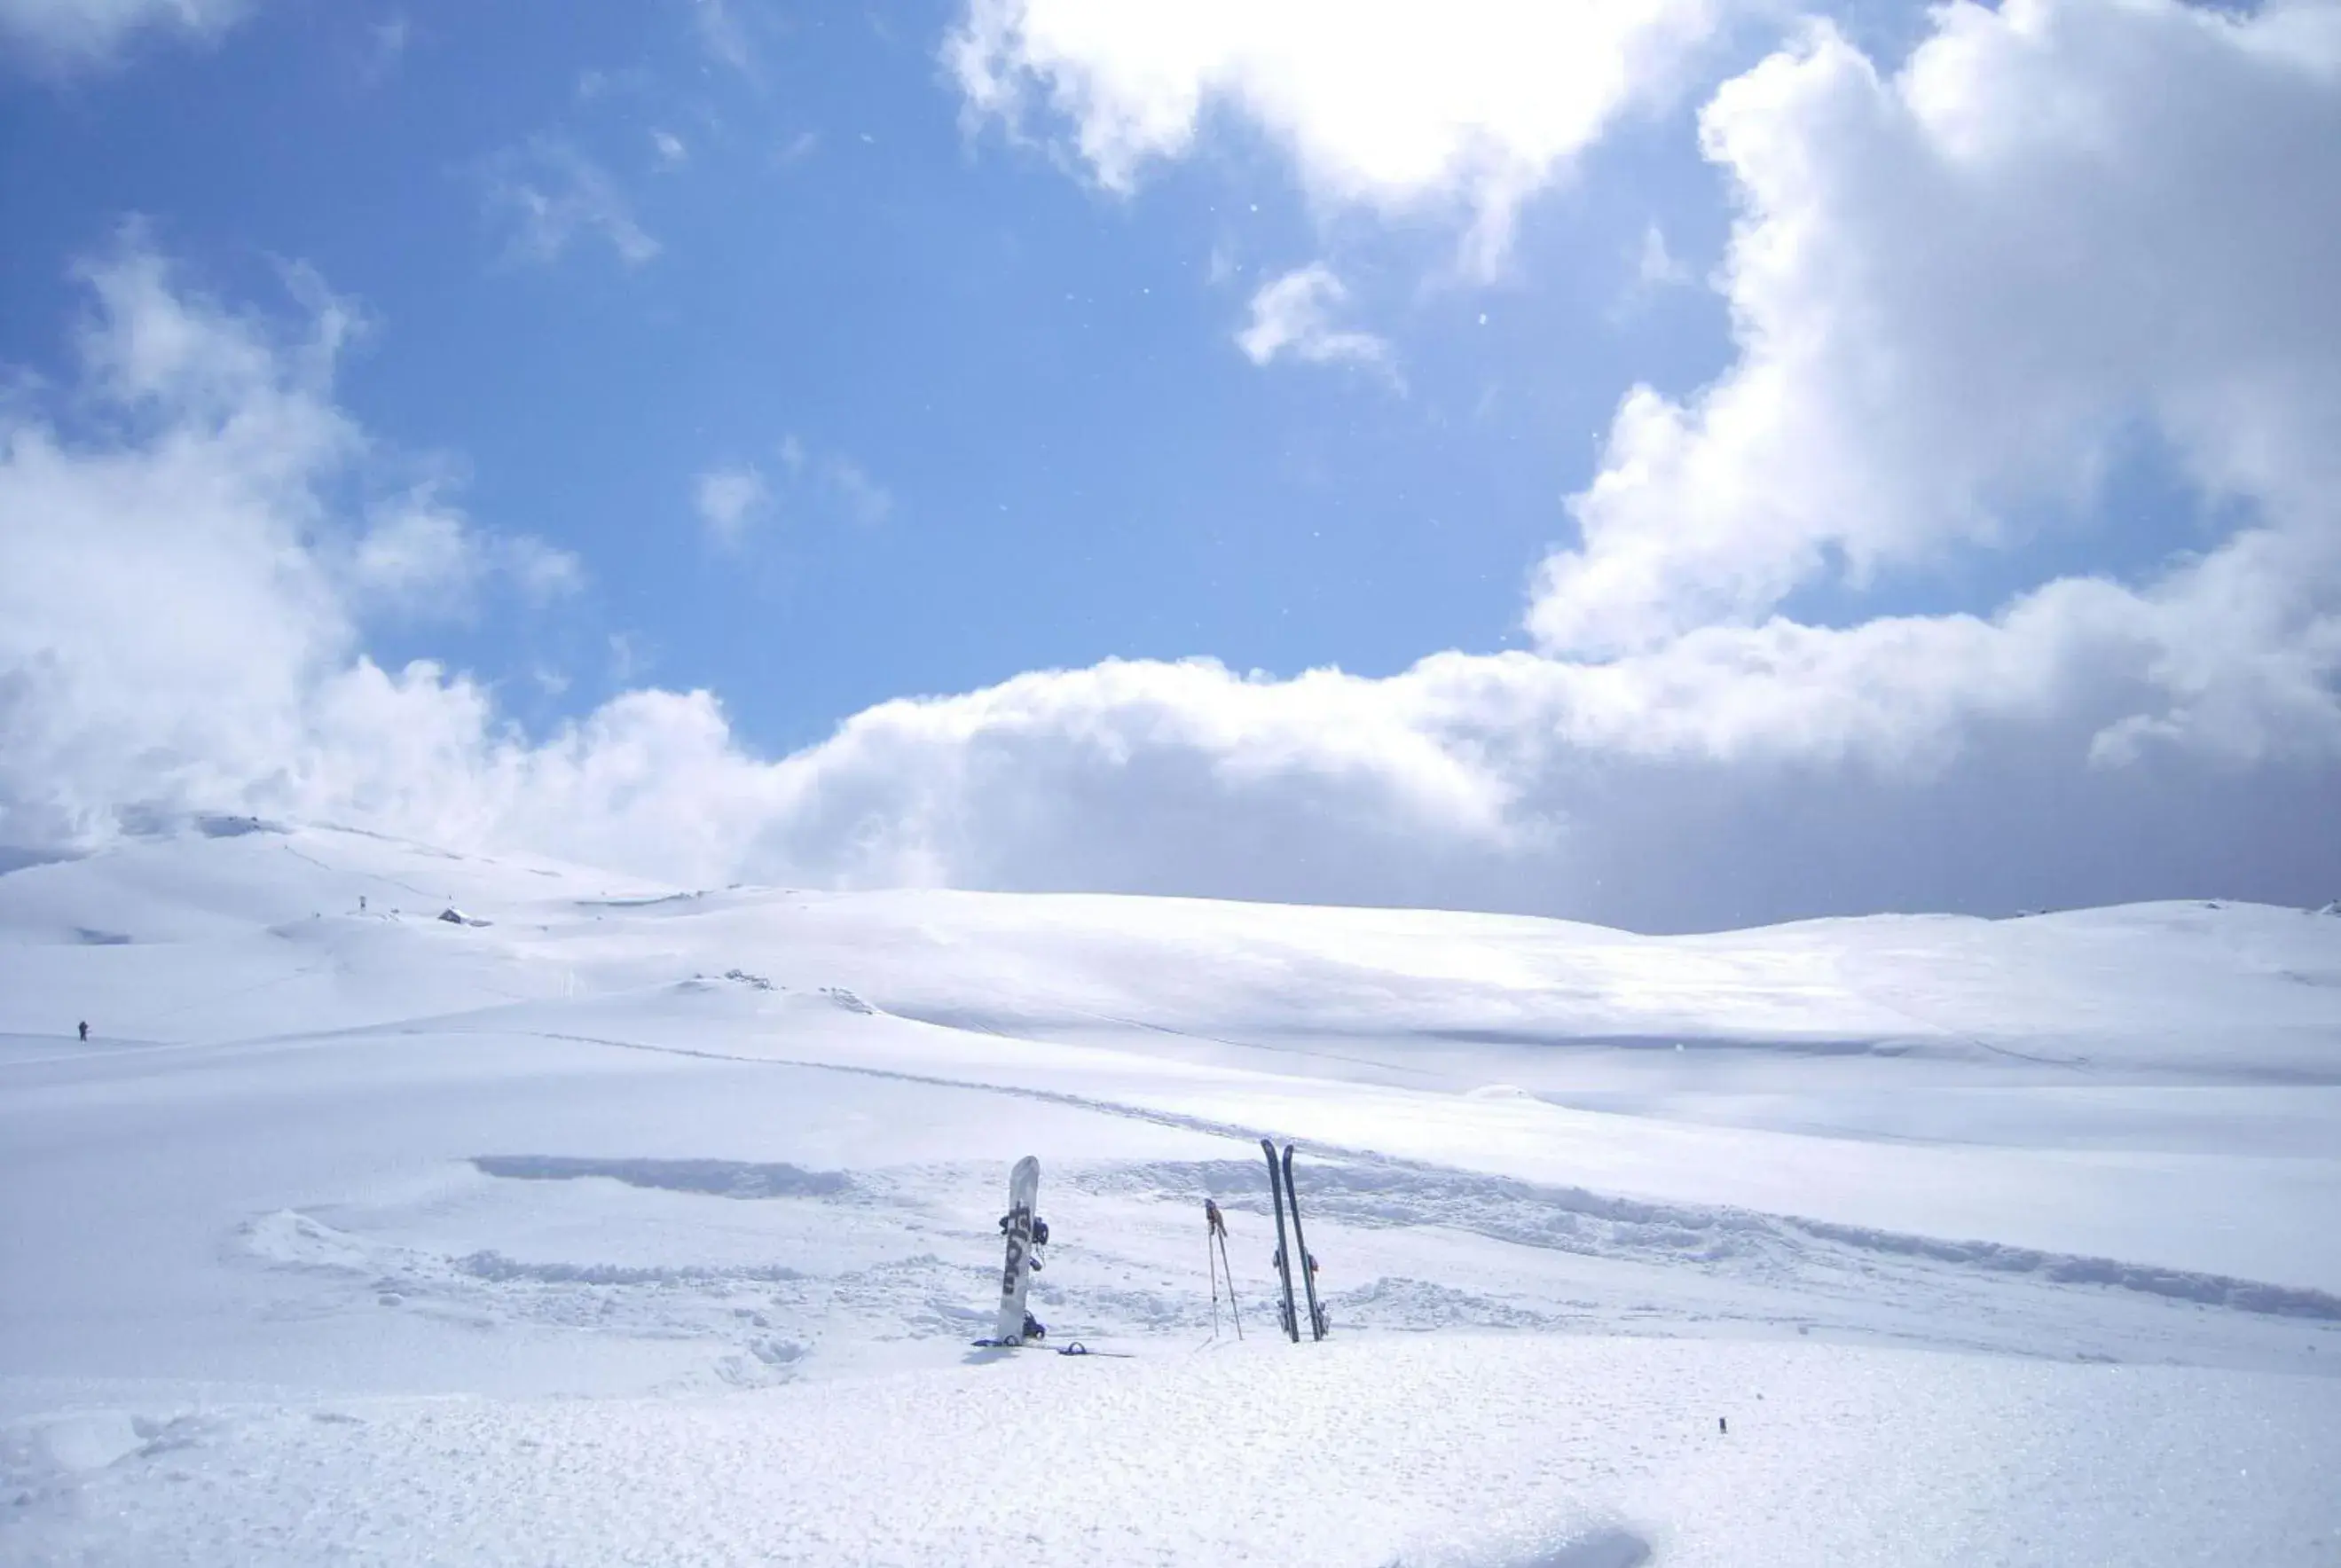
(1211, 1267)
(1229, 1269)
(1215, 1230)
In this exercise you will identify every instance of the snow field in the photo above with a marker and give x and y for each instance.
(616, 1224)
(1504, 1451)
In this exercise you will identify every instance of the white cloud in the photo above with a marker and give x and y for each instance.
(731, 501)
(421, 559)
(866, 501)
(1293, 315)
(1743, 776)
(548, 195)
(1655, 266)
(541, 572)
(1954, 290)
(723, 36)
(832, 480)
(672, 152)
(179, 605)
(1473, 103)
(67, 35)
(630, 658)
(173, 635)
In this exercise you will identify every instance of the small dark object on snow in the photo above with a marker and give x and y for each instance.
(1722, 1423)
(84, 1030)
(1034, 1328)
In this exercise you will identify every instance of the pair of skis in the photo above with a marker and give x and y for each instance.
(1284, 1197)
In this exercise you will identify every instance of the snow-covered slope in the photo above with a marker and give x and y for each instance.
(364, 1127)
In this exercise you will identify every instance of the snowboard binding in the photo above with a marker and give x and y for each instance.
(1040, 1237)
(1034, 1332)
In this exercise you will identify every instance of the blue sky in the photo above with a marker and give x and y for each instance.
(820, 379)
(1040, 376)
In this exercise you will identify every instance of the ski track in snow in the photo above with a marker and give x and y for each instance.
(1525, 1259)
(1366, 1188)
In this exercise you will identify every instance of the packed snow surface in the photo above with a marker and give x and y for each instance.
(404, 1205)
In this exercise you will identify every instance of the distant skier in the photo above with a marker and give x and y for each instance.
(85, 1031)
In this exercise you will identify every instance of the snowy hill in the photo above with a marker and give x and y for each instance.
(1994, 1241)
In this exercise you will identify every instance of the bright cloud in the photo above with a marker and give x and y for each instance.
(548, 195)
(174, 635)
(1293, 315)
(1956, 288)
(421, 558)
(731, 501)
(1476, 104)
(62, 35)
(179, 607)
(418, 557)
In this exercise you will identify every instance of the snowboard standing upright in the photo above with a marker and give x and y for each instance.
(1285, 1314)
(1023, 1192)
